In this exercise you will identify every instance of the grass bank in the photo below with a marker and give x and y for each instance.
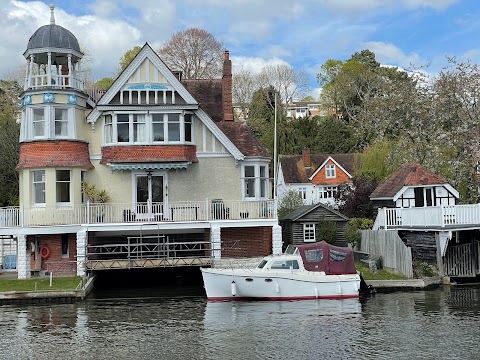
(381, 274)
(40, 284)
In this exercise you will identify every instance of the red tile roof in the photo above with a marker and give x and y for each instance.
(208, 93)
(56, 153)
(242, 136)
(408, 175)
(295, 172)
(149, 153)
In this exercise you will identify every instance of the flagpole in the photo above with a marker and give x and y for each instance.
(275, 152)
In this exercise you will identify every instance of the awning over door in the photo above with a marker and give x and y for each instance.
(150, 166)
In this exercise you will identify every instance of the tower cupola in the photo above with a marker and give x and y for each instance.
(53, 56)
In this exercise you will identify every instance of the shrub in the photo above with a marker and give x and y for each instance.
(327, 230)
(291, 201)
(352, 230)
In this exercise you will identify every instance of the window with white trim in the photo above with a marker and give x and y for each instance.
(158, 130)
(38, 187)
(63, 186)
(255, 181)
(173, 127)
(327, 192)
(330, 171)
(309, 232)
(108, 128)
(303, 193)
(38, 122)
(61, 122)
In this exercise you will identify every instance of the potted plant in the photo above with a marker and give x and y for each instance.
(96, 196)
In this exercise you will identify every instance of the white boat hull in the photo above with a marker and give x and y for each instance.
(237, 284)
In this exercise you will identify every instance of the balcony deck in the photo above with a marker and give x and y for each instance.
(88, 214)
(442, 218)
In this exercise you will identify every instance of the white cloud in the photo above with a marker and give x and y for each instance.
(253, 64)
(389, 54)
(355, 7)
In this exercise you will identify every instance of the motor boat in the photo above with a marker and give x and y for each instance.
(311, 271)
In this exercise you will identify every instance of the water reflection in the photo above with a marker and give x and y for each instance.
(171, 324)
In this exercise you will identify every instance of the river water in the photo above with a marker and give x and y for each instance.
(178, 323)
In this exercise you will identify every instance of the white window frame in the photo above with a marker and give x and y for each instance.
(330, 171)
(324, 190)
(309, 232)
(28, 123)
(258, 181)
(303, 192)
(33, 122)
(34, 183)
(58, 182)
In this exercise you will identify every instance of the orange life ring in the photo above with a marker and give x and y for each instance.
(44, 252)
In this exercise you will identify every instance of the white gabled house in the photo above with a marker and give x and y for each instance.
(185, 183)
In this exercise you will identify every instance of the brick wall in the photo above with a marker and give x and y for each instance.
(227, 88)
(246, 242)
(55, 262)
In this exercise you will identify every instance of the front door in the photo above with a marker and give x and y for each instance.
(149, 196)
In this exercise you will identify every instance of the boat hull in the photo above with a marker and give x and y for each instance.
(235, 284)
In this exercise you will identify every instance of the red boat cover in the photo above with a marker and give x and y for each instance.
(321, 256)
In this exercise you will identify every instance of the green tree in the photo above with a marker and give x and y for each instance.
(289, 202)
(127, 58)
(104, 83)
(353, 199)
(308, 98)
(10, 91)
(327, 231)
(332, 135)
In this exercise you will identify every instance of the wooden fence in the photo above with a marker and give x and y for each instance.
(395, 254)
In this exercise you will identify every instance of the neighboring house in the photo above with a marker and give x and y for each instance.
(302, 109)
(301, 225)
(413, 186)
(315, 176)
(185, 182)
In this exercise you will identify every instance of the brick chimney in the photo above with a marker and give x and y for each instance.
(227, 88)
(306, 157)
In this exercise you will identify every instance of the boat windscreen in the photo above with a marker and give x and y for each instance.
(262, 264)
(291, 250)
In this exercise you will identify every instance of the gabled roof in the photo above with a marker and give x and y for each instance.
(242, 136)
(409, 175)
(208, 94)
(305, 209)
(295, 172)
(325, 163)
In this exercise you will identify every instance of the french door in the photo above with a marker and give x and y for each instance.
(149, 196)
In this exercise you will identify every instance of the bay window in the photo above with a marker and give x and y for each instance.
(48, 122)
(39, 187)
(148, 128)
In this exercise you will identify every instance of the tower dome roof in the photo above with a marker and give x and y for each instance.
(53, 36)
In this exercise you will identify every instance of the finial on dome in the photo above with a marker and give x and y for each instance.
(52, 16)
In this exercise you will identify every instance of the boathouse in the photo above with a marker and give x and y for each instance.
(422, 208)
(154, 172)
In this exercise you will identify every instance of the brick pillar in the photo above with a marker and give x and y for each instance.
(277, 240)
(227, 88)
(23, 257)
(81, 253)
(216, 242)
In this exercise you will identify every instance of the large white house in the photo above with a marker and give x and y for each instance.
(184, 182)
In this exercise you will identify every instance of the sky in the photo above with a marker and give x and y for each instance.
(303, 33)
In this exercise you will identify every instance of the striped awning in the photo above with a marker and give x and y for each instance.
(150, 166)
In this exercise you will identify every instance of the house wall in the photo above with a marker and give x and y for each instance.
(297, 232)
(441, 197)
(55, 262)
(321, 179)
(246, 242)
(423, 245)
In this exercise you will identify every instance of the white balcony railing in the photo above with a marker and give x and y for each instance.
(141, 212)
(430, 216)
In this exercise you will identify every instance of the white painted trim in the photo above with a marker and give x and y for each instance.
(324, 163)
(404, 188)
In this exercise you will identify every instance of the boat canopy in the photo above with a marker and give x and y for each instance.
(321, 256)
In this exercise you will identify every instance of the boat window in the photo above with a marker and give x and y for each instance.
(285, 264)
(262, 264)
(314, 255)
(291, 250)
(336, 255)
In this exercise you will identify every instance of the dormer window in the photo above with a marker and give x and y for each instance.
(330, 171)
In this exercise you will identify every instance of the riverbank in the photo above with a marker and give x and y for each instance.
(386, 286)
(41, 295)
